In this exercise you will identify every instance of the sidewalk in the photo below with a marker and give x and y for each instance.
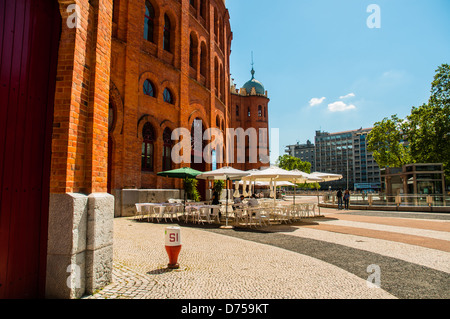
(300, 261)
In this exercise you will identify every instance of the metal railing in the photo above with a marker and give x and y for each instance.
(421, 200)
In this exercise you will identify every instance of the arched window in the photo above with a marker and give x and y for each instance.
(248, 112)
(149, 27)
(260, 114)
(216, 25)
(110, 117)
(193, 51)
(216, 76)
(203, 9)
(198, 144)
(237, 110)
(203, 59)
(116, 7)
(222, 83)
(220, 35)
(168, 98)
(167, 33)
(217, 121)
(148, 151)
(149, 89)
(167, 150)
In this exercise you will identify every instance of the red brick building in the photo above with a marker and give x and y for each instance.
(249, 110)
(169, 67)
(90, 91)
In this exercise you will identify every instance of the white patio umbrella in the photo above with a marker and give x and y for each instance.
(224, 174)
(269, 174)
(274, 174)
(266, 184)
(327, 177)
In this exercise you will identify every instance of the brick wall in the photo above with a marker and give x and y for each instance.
(246, 103)
(134, 60)
(79, 141)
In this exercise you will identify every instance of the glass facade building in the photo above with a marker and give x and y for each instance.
(346, 153)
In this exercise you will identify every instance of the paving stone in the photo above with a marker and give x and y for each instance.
(278, 264)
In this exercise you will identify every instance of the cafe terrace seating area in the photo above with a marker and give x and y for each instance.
(267, 212)
(248, 213)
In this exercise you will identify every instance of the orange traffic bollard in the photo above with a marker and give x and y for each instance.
(173, 246)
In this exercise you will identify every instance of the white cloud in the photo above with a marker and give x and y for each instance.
(316, 101)
(347, 96)
(340, 106)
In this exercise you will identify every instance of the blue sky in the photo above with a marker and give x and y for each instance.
(324, 50)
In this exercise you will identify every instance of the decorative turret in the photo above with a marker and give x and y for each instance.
(254, 87)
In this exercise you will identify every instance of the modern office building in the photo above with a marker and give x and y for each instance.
(305, 152)
(346, 153)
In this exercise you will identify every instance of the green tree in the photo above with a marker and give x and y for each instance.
(290, 163)
(429, 124)
(423, 137)
(440, 87)
(190, 187)
(386, 142)
(309, 186)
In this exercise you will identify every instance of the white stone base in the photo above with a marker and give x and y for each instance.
(80, 244)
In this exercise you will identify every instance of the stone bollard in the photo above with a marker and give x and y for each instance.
(173, 246)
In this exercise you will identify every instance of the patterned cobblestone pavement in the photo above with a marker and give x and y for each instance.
(321, 258)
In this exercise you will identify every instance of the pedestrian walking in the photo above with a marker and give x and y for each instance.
(339, 197)
(346, 198)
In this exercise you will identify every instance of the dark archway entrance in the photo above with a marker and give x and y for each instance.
(29, 42)
(197, 161)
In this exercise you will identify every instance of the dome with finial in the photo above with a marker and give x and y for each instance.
(253, 83)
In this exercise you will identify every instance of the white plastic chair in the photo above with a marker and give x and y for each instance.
(149, 212)
(138, 215)
(302, 210)
(256, 215)
(289, 214)
(193, 213)
(240, 216)
(310, 210)
(204, 214)
(215, 215)
(158, 212)
(296, 212)
(171, 211)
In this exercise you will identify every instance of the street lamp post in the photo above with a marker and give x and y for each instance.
(347, 169)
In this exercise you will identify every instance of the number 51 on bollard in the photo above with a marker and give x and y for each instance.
(173, 246)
